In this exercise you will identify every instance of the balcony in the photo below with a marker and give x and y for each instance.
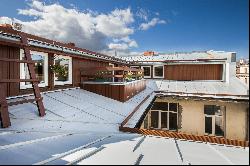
(118, 83)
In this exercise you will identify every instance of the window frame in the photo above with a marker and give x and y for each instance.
(46, 70)
(154, 76)
(213, 123)
(159, 115)
(70, 72)
(142, 67)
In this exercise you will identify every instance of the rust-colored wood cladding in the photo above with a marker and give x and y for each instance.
(193, 72)
(178, 135)
(10, 70)
(117, 92)
(82, 63)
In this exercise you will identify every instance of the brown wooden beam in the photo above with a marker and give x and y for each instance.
(50, 72)
(4, 113)
(16, 60)
(17, 80)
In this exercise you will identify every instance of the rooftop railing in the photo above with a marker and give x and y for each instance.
(111, 74)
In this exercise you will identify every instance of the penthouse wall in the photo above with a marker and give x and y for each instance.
(10, 70)
(193, 72)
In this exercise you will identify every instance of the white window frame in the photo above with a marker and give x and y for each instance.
(142, 67)
(22, 72)
(70, 71)
(162, 71)
(213, 124)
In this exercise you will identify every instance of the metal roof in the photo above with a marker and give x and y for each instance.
(82, 128)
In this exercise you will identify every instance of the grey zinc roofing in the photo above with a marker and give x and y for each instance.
(233, 87)
(82, 128)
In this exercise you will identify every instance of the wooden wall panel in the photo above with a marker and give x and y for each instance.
(117, 92)
(10, 70)
(81, 63)
(193, 72)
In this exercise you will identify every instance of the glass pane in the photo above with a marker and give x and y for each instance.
(172, 121)
(39, 68)
(154, 119)
(146, 71)
(208, 125)
(219, 129)
(62, 69)
(160, 106)
(219, 111)
(164, 119)
(146, 122)
(158, 71)
(173, 107)
(209, 109)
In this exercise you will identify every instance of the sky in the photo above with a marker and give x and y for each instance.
(131, 27)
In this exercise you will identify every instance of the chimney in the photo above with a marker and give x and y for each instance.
(71, 44)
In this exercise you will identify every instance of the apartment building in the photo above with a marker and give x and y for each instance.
(197, 93)
(242, 71)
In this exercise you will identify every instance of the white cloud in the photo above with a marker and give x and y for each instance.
(88, 29)
(152, 23)
(5, 20)
(118, 46)
(103, 32)
(143, 14)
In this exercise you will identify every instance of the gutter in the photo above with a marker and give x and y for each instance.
(42, 44)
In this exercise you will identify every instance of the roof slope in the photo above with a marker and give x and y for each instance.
(82, 128)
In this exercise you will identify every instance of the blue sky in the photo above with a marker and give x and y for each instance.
(183, 25)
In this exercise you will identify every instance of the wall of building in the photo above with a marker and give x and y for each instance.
(81, 63)
(193, 117)
(184, 72)
(242, 72)
(11, 70)
(236, 121)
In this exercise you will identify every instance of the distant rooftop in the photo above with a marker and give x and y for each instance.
(194, 55)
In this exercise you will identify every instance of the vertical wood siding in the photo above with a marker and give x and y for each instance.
(193, 72)
(10, 70)
(117, 92)
(81, 63)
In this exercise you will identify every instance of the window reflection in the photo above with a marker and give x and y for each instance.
(39, 68)
(158, 71)
(62, 72)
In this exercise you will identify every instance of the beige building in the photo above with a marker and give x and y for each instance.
(242, 71)
(199, 116)
(200, 93)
